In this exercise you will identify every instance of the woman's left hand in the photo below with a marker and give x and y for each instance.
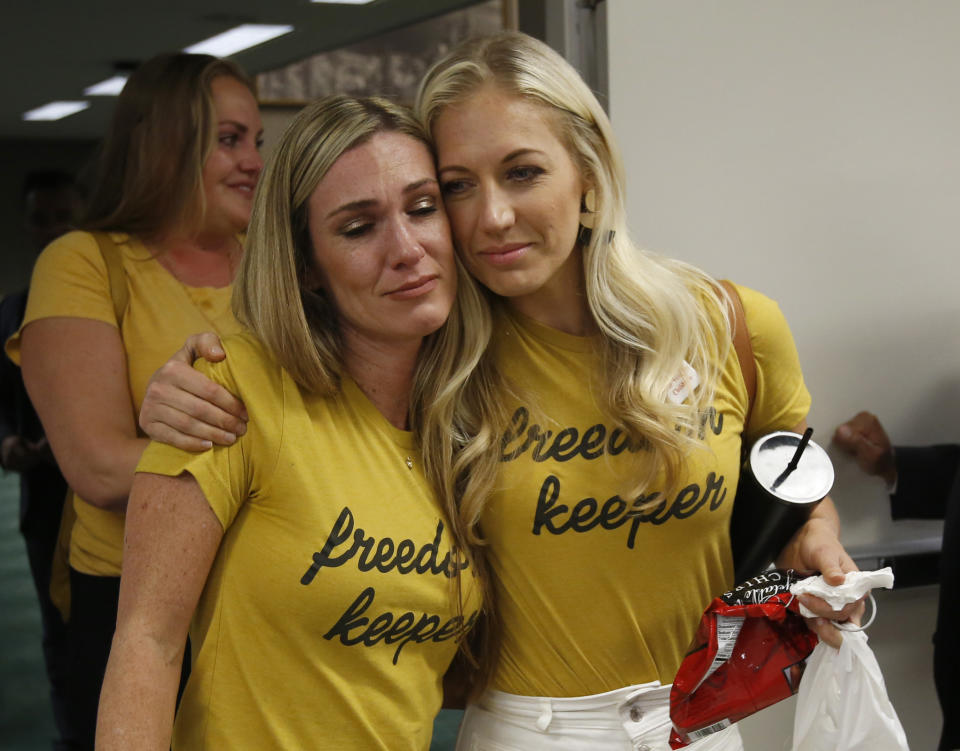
(816, 547)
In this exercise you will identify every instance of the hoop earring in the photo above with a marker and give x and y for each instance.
(588, 219)
(588, 205)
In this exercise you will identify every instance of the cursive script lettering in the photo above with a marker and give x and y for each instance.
(714, 419)
(522, 436)
(344, 543)
(587, 513)
(355, 627)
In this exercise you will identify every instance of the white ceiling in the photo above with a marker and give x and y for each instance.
(54, 49)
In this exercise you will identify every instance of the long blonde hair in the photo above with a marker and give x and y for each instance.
(273, 295)
(653, 313)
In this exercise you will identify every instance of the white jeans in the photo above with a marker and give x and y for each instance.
(635, 718)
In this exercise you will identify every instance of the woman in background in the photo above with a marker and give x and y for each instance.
(107, 306)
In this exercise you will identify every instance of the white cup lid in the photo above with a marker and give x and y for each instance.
(808, 483)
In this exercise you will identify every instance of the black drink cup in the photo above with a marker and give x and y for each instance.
(784, 477)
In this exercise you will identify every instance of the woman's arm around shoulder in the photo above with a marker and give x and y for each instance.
(184, 408)
(172, 538)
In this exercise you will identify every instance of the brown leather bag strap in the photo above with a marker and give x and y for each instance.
(119, 292)
(741, 343)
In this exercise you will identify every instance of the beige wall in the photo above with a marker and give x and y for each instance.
(811, 150)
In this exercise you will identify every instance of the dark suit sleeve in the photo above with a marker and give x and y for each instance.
(11, 384)
(925, 477)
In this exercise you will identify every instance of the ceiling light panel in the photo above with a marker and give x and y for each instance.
(238, 38)
(55, 110)
(109, 87)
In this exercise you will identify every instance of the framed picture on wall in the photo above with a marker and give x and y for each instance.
(389, 64)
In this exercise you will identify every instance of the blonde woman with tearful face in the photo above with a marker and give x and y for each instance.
(602, 501)
(172, 195)
(320, 578)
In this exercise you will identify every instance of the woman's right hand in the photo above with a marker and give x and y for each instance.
(186, 409)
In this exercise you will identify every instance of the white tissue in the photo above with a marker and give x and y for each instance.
(855, 585)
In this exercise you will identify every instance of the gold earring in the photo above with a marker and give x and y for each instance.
(588, 205)
(588, 219)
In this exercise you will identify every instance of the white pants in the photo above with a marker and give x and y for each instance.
(635, 718)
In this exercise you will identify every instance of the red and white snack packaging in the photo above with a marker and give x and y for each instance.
(749, 652)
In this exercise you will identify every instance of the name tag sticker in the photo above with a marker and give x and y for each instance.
(684, 383)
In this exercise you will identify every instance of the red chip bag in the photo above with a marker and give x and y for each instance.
(749, 652)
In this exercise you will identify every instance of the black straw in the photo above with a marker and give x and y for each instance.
(795, 460)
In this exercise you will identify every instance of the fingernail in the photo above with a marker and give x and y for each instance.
(207, 444)
(217, 350)
(231, 437)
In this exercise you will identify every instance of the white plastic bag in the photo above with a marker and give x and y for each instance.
(842, 704)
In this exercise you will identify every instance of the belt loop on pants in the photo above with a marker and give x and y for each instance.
(645, 714)
(546, 715)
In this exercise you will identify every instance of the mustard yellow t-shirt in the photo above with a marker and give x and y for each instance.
(594, 593)
(328, 618)
(70, 279)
